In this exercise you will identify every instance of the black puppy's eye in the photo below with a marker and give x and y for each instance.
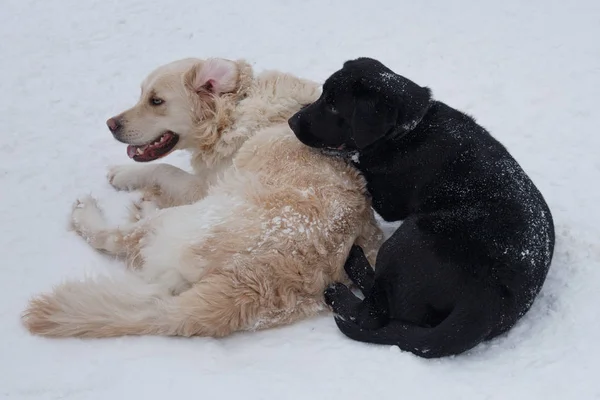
(329, 104)
(155, 101)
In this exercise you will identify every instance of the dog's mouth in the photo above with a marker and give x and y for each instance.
(334, 151)
(160, 147)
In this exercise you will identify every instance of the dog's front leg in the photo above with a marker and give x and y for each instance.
(348, 307)
(359, 270)
(164, 184)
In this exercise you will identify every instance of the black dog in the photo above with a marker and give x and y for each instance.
(477, 237)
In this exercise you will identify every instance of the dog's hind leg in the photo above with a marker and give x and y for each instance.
(87, 220)
(142, 209)
(359, 270)
(223, 303)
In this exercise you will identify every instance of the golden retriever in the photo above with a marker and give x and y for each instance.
(249, 241)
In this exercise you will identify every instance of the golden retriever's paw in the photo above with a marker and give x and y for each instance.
(141, 209)
(86, 216)
(126, 177)
(85, 201)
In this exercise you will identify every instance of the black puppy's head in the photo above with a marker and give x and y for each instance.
(360, 104)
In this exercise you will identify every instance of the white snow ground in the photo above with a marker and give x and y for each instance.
(528, 70)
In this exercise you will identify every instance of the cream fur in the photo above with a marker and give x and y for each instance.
(250, 241)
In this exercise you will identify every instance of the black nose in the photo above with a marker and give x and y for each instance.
(113, 124)
(293, 122)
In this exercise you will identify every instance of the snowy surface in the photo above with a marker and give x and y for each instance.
(528, 70)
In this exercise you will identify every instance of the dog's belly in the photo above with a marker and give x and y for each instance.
(175, 231)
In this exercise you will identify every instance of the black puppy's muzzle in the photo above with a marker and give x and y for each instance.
(301, 124)
(301, 128)
(294, 122)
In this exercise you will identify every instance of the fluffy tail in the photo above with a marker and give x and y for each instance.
(102, 307)
(462, 330)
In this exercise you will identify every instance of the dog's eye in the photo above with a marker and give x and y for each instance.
(155, 101)
(329, 105)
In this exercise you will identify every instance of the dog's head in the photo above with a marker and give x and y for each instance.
(178, 102)
(361, 104)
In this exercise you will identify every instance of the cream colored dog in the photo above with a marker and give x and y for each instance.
(250, 241)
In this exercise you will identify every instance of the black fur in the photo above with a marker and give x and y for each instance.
(477, 237)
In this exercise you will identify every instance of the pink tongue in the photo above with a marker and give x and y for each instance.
(131, 151)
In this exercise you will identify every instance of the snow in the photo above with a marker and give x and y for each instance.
(528, 71)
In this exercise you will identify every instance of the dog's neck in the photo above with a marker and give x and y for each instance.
(267, 100)
(403, 166)
(402, 132)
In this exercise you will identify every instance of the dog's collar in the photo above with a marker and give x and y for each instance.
(398, 131)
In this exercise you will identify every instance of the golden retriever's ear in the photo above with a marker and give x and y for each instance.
(215, 75)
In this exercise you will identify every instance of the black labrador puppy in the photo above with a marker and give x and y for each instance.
(477, 236)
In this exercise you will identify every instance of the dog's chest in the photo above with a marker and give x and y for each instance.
(395, 181)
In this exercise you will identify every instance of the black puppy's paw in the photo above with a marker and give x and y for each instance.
(341, 300)
(346, 325)
(332, 293)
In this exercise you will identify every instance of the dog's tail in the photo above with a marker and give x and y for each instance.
(462, 330)
(102, 307)
(216, 306)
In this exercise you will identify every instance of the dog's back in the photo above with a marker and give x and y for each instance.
(478, 202)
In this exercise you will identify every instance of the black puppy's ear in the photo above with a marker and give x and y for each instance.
(414, 103)
(371, 121)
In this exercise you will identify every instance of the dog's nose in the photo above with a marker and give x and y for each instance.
(113, 124)
(293, 122)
